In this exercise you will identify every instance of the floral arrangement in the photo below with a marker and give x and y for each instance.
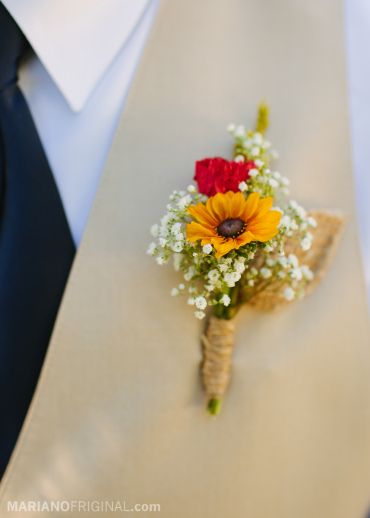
(236, 237)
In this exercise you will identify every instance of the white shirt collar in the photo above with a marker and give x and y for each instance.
(77, 40)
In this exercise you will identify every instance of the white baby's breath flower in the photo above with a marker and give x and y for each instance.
(273, 183)
(253, 172)
(251, 282)
(289, 293)
(285, 221)
(229, 281)
(276, 175)
(176, 228)
(312, 222)
(301, 212)
(239, 158)
(231, 128)
(306, 243)
(231, 278)
(200, 302)
(223, 267)
(296, 274)
(207, 249)
(164, 222)
(243, 186)
(268, 248)
(270, 261)
(258, 162)
(266, 273)
(225, 300)
(293, 225)
(213, 275)
(307, 273)
(191, 189)
(283, 261)
(257, 138)
(255, 151)
(181, 286)
(199, 315)
(189, 274)
(154, 230)
(191, 301)
(239, 131)
(177, 258)
(285, 181)
(174, 292)
(239, 266)
(160, 260)
(151, 249)
(184, 202)
(293, 260)
(163, 241)
(177, 247)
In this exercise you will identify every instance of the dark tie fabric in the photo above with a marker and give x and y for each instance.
(36, 247)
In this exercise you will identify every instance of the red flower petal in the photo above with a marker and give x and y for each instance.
(215, 175)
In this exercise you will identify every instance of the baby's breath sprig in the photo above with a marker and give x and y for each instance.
(225, 283)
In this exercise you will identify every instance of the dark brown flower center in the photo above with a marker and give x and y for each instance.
(231, 228)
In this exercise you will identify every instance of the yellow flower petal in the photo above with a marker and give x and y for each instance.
(225, 247)
(196, 231)
(245, 238)
(200, 213)
(251, 206)
(271, 219)
(218, 206)
(264, 206)
(237, 204)
(264, 236)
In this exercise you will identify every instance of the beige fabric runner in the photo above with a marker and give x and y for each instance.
(119, 413)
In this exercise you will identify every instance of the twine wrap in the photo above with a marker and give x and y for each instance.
(218, 345)
(327, 235)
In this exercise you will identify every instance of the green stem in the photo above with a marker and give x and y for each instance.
(214, 406)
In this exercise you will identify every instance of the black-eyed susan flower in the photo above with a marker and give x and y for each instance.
(229, 221)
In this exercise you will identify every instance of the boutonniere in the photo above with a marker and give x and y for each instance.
(238, 239)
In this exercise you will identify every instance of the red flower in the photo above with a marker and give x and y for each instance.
(215, 175)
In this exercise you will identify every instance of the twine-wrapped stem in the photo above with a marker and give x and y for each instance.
(218, 345)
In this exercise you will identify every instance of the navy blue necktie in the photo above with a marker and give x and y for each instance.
(36, 247)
